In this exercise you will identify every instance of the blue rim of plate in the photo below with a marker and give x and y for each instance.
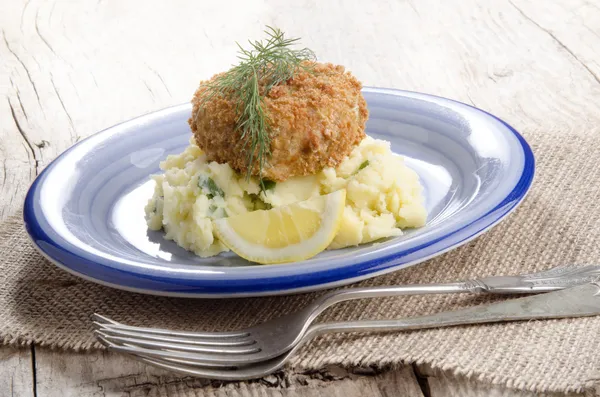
(108, 275)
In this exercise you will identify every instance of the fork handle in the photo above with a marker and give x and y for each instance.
(580, 301)
(553, 279)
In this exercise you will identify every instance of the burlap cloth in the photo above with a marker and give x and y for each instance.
(559, 223)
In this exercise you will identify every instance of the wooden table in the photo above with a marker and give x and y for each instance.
(69, 69)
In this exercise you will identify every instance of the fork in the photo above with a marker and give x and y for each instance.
(578, 301)
(275, 337)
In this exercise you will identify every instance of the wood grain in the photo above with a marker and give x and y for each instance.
(74, 375)
(69, 69)
(16, 375)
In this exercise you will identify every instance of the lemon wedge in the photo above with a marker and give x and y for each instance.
(284, 234)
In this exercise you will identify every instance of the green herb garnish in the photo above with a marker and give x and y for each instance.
(364, 164)
(267, 184)
(217, 212)
(266, 206)
(155, 204)
(258, 204)
(207, 183)
(263, 66)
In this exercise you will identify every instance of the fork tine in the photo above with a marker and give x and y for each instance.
(137, 350)
(103, 319)
(236, 373)
(190, 341)
(182, 347)
(182, 361)
(205, 370)
(202, 372)
(187, 363)
(113, 346)
(108, 323)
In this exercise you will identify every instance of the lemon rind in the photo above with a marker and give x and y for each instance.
(329, 228)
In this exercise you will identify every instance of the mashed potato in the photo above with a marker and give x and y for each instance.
(383, 196)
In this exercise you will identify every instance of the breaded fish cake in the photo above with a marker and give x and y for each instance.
(316, 119)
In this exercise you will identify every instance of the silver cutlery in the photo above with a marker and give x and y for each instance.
(275, 337)
(579, 301)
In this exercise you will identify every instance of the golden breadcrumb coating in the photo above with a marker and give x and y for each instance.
(316, 119)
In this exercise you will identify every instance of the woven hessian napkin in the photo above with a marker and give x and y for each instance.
(559, 223)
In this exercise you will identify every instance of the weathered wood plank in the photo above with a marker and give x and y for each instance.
(16, 374)
(574, 26)
(17, 160)
(61, 374)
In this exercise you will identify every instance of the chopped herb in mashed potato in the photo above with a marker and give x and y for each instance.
(383, 196)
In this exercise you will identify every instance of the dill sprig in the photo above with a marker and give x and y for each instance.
(263, 66)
